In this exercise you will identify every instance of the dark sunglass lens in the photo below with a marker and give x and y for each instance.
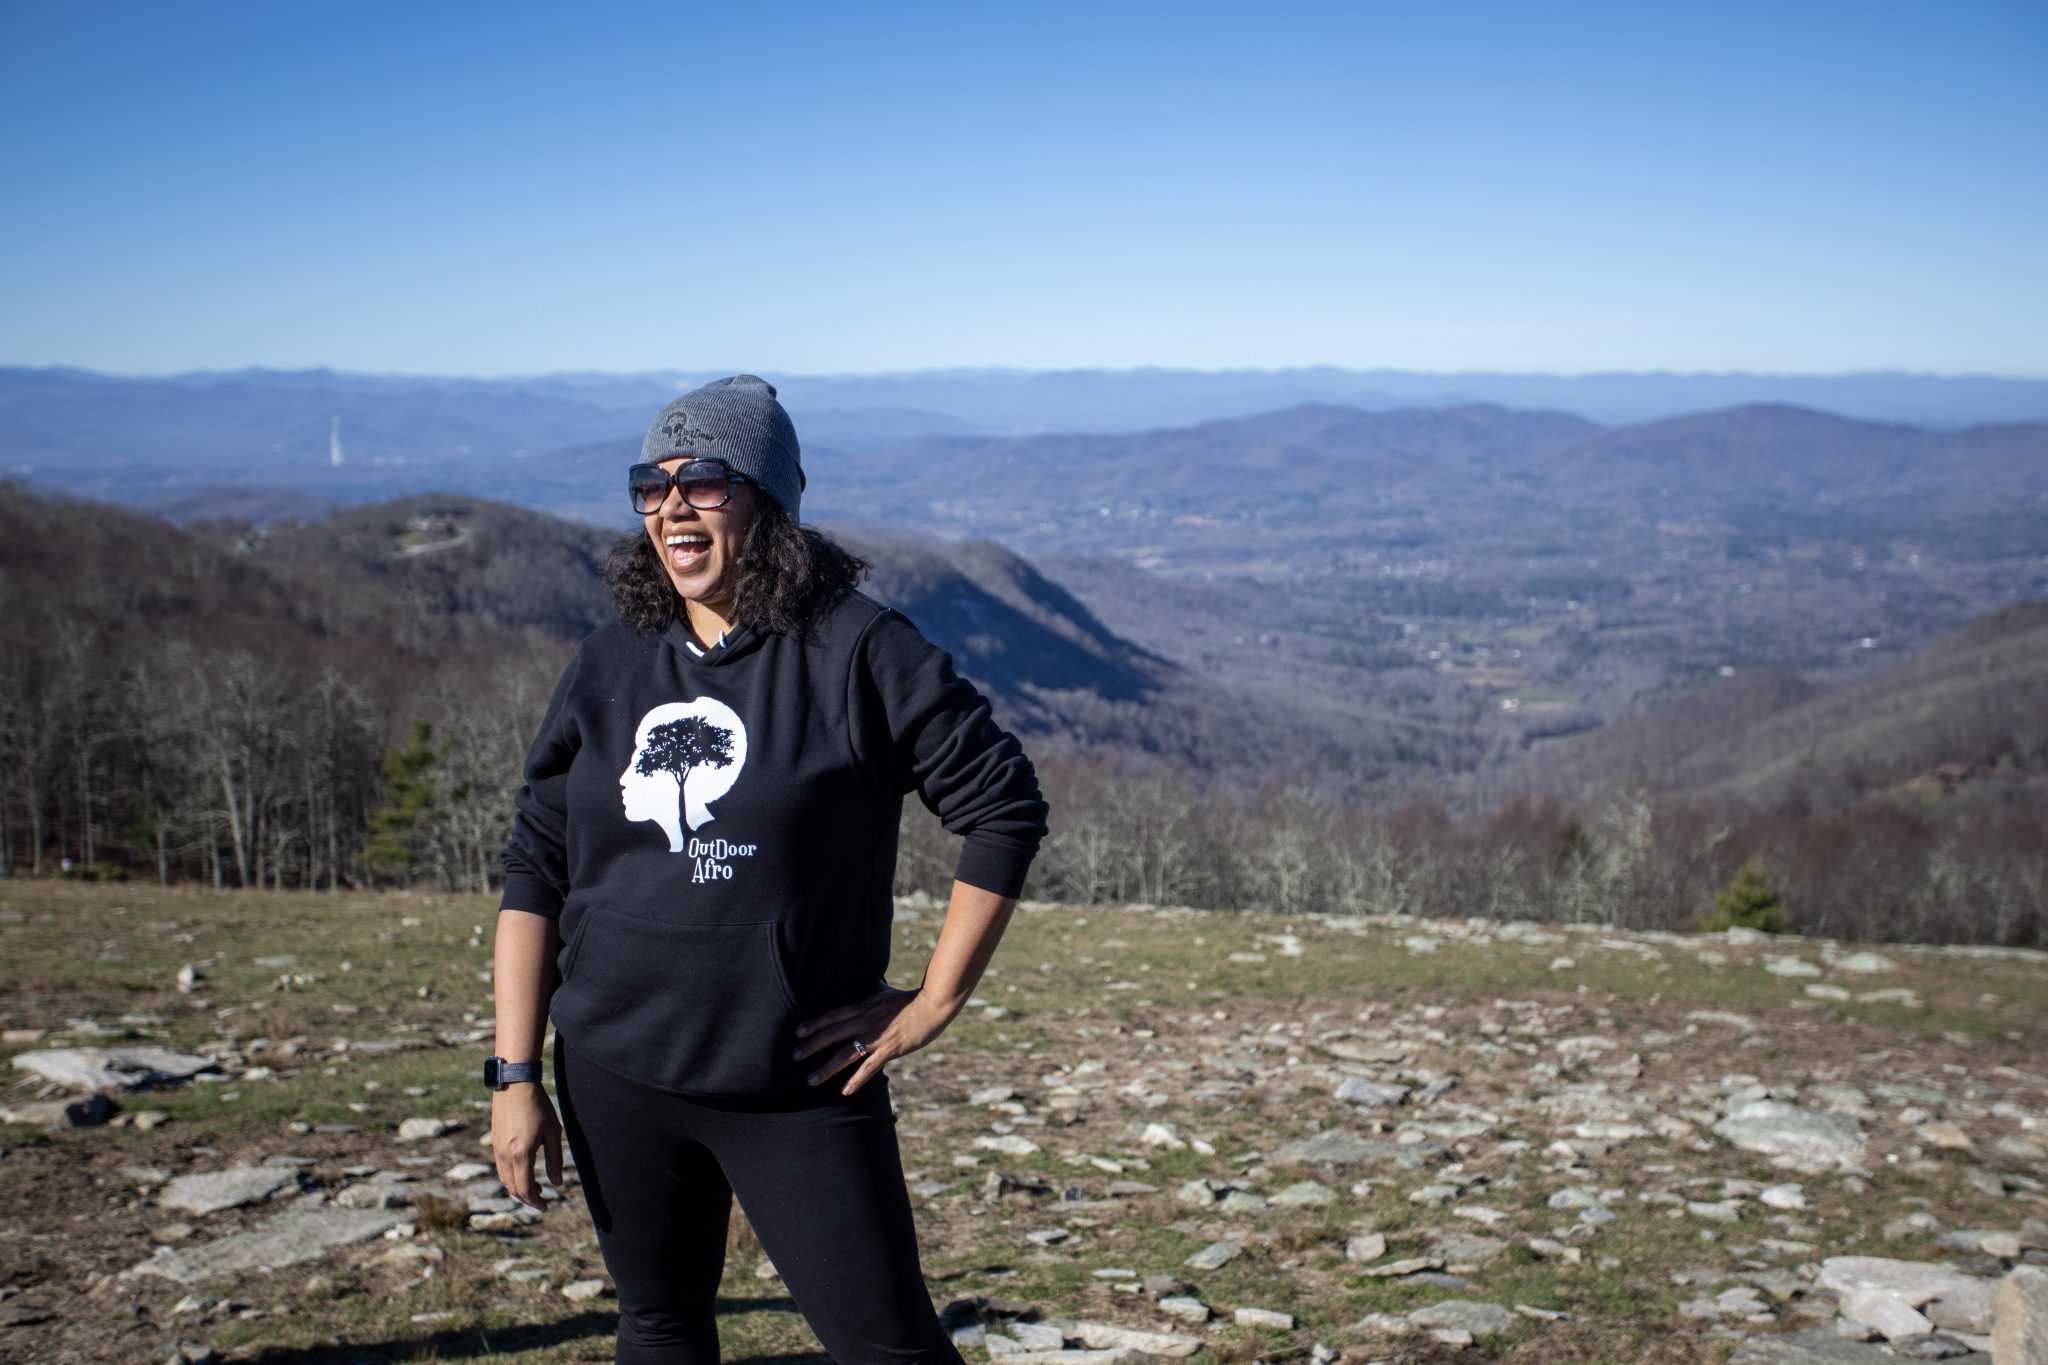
(702, 485)
(648, 485)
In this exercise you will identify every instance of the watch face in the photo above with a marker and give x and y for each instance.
(491, 1072)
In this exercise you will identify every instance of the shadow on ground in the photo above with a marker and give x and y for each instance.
(476, 1343)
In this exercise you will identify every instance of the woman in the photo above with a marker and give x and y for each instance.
(698, 889)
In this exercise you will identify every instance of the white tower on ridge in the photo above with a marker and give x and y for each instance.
(334, 442)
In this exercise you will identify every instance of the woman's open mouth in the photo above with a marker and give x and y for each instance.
(687, 550)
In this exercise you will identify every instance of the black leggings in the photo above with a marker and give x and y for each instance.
(820, 1178)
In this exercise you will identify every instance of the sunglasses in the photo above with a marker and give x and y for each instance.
(704, 484)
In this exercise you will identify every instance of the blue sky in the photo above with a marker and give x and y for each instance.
(515, 188)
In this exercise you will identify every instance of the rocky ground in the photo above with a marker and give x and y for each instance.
(247, 1128)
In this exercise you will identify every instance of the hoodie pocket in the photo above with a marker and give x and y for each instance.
(699, 1009)
(567, 961)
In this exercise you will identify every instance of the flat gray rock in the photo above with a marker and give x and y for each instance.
(1464, 1315)
(1814, 1346)
(1340, 1148)
(1358, 1090)
(1964, 1300)
(1214, 1256)
(1776, 1128)
(291, 1237)
(2019, 1327)
(1305, 1194)
(212, 1191)
(104, 1069)
(1109, 1336)
(89, 1112)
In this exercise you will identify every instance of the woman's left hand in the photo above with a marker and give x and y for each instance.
(890, 1023)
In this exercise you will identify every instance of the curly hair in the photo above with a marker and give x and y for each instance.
(785, 571)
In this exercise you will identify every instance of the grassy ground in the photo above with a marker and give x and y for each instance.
(1102, 1021)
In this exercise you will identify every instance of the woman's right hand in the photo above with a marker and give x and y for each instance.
(523, 1123)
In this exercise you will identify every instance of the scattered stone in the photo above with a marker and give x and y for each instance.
(1243, 1201)
(1365, 1247)
(212, 1191)
(1108, 1336)
(1009, 1144)
(1784, 1197)
(1409, 1266)
(1201, 1193)
(1339, 1148)
(1866, 964)
(1725, 1211)
(1214, 1256)
(1464, 1315)
(89, 1112)
(1776, 1128)
(1184, 1307)
(21, 1315)
(1039, 1336)
(1305, 1194)
(1887, 1294)
(1263, 1317)
(464, 1172)
(1161, 1135)
(285, 1239)
(1468, 1250)
(1944, 1134)
(106, 1069)
(1358, 1090)
(2019, 1318)
(420, 1129)
(190, 979)
(1790, 966)
(994, 1094)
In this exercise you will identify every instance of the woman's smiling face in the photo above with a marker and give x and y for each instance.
(699, 547)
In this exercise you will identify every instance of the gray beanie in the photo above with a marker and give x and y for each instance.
(736, 420)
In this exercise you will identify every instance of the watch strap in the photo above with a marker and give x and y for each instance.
(499, 1073)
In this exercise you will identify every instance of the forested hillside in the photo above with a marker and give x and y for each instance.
(346, 703)
(1974, 703)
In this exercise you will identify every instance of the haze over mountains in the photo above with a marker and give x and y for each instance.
(223, 426)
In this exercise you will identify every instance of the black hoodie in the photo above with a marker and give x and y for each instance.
(717, 832)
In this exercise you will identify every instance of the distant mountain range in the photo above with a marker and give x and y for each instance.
(57, 425)
(1363, 593)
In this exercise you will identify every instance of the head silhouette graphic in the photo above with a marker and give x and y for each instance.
(686, 754)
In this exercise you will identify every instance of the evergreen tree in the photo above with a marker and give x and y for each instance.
(1749, 902)
(396, 830)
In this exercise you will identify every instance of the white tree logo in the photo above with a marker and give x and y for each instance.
(686, 754)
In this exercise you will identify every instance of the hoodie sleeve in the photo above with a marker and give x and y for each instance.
(536, 858)
(928, 730)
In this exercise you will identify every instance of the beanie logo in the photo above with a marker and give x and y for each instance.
(681, 435)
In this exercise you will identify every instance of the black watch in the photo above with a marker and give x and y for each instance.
(499, 1073)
